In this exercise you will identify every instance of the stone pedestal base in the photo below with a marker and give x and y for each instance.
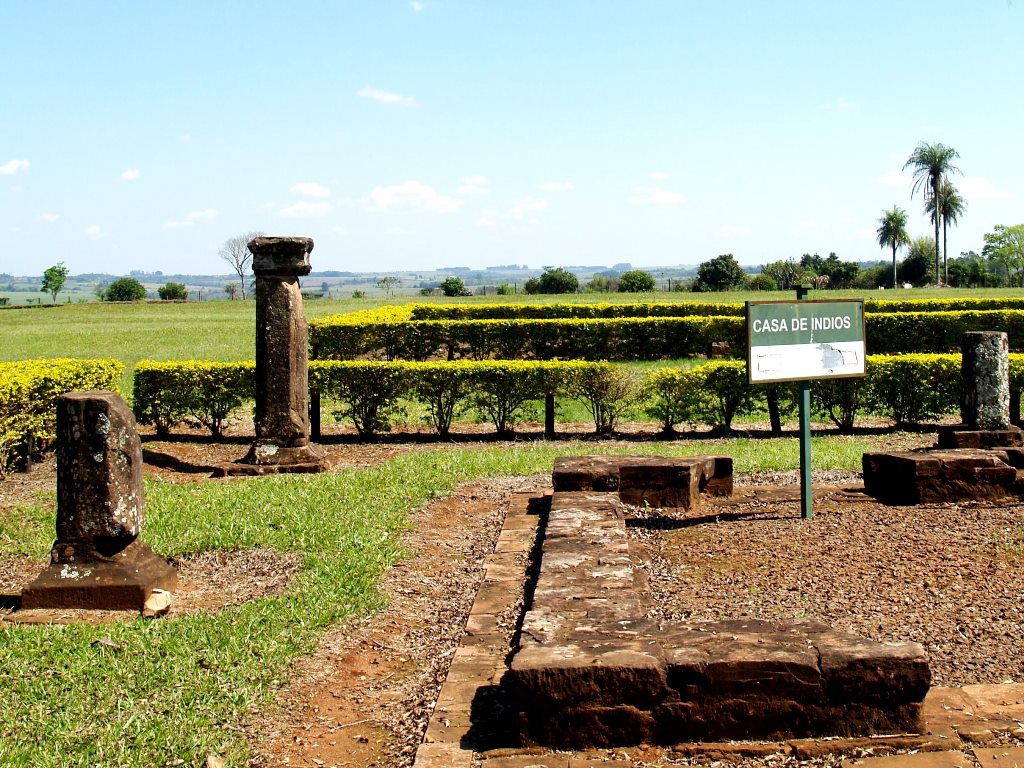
(939, 476)
(118, 583)
(652, 480)
(962, 436)
(271, 459)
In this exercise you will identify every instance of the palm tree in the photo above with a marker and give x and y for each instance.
(951, 208)
(932, 163)
(892, 233)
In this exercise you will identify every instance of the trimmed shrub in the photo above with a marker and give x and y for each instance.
(166, 393)
(369, 392)
(609, 390)
(28, 396)
(671, 396)
(841, 399)
(502, 389)
(728, 392)
(914, 388)
(444, 389)
(938, 331)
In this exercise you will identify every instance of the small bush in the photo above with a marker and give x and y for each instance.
(608, 389)
(172, 292)
(124, 289)
(369, 392)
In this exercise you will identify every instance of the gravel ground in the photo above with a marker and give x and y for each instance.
(948, 576)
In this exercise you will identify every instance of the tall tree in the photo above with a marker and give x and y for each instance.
(932, 164)
(235, 252)
(951, 206)
(892, 233)
(53, 280)
(1005, 246)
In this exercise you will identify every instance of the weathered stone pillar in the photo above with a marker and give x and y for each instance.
(986, 372)
(282, 357)
(97, 560)
(985, 407)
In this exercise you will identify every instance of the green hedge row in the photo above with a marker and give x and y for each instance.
(678, 309)
(643, 338)
(906, 388)
(28, 396)
(640, 338)
(909, 389)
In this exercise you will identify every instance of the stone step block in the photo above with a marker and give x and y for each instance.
(646, 480)
(936, 476)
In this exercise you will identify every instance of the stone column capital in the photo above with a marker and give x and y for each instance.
(281, 256)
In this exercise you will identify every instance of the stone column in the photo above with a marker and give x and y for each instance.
(97, 560)
(985, 407)
(986, 372)
(282, 357)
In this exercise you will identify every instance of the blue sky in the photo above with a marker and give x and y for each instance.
(419, 135)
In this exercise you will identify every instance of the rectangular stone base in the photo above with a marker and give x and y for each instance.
(963, 437)
(938, 476)
(655, 481)
(122, 582)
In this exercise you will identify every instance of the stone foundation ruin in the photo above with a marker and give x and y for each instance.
(982, 458)
(590, 670)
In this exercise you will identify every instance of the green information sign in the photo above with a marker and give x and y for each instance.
(803, 340)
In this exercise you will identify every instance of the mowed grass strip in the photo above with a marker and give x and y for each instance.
(144, 693)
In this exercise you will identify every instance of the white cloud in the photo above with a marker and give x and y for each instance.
(207, 214)
(11, 168)
(304, 209)
(185, 137)
(659, 176)
(980, 188)
(474, 186)
(94, 231)
(895, 179)
(525, 206)
(311, 189)
(524, 209)
(418, 6)
(655, 196)
(47, 218)
(557, 186)
(412, 196)
(339, 230)
(132, 174)
(385, 97)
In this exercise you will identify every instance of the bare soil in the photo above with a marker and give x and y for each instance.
(949, 576)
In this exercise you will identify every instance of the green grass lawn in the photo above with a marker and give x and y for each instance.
(156, 691)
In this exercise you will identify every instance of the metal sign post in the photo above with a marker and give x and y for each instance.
(805, 434)
(800, 341)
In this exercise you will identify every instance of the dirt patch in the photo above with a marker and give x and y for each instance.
(364, 698)
(207, 582)
(948, 576)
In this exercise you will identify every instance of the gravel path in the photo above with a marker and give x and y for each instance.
(948, 576)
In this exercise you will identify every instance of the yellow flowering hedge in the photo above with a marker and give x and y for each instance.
(370, 394)
(29, 390)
